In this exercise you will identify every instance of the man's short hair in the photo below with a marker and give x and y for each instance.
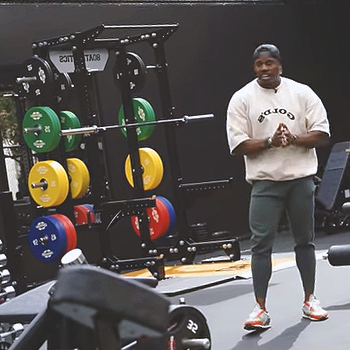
(268, 48)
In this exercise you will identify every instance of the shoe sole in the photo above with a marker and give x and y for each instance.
(256, 327)
(315, 319)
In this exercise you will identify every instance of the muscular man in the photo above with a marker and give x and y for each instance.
(276, 123)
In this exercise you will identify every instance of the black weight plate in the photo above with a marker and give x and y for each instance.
(187, 323)
(63, 86)
(40, 69)
(136, 72)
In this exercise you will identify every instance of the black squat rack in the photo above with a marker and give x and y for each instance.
(109, 210)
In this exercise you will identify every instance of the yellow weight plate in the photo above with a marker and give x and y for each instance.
(158, 160)
(152, 165)
(153, 178)
(48, 183)
(79, 176)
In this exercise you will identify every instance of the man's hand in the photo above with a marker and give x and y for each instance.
(282, 136)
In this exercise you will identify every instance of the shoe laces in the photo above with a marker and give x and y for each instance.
(257, 309)
(313, 303)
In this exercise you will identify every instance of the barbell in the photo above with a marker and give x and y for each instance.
(94, 129)
(42, 128)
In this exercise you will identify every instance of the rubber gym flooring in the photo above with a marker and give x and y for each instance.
(222, 291)
(225, 297)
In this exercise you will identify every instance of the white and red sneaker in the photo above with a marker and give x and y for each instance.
(259, 319)
(313, 311)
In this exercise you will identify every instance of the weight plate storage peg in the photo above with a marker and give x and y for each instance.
(69, 228)
(159, 221)
(48, 183)
(79, 177)
(143, 112)
(38, 75)
(152, 165)
(136, 72)
(47, 238)
(187, 328)
(41, 129)
(70, 121)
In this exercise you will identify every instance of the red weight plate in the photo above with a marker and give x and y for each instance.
(89, 213)
(71, 233)
(159, 221)
(81, 213)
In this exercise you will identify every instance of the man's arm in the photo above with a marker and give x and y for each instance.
(283, 138)
(252, 146)
(311, 139)
(278, 139)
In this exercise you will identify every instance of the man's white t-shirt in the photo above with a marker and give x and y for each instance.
(255, 113)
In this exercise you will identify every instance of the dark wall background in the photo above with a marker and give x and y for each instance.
(209, 58)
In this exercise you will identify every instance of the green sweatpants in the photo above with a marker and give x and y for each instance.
(269, 200)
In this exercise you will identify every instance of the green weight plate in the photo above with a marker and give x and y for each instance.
(55, 119)
(46, 122)
(143, 112)
(150, 110)
(70, 121)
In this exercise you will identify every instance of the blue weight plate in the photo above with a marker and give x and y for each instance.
(90, 207)
(47, 238)
(171, 211)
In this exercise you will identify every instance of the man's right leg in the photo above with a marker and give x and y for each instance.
(266, 208)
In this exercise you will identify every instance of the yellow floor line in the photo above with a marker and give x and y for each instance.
(199, 269)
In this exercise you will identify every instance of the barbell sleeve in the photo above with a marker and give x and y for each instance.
(188, 118)
(203, 343)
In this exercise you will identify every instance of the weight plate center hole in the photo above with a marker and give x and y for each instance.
(44, 240)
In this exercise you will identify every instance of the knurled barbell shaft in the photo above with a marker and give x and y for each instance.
(80, 131)
(94, 129)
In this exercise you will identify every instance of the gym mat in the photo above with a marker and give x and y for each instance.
(180, 279)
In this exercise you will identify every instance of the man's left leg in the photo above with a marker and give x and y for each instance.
(300, 208)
